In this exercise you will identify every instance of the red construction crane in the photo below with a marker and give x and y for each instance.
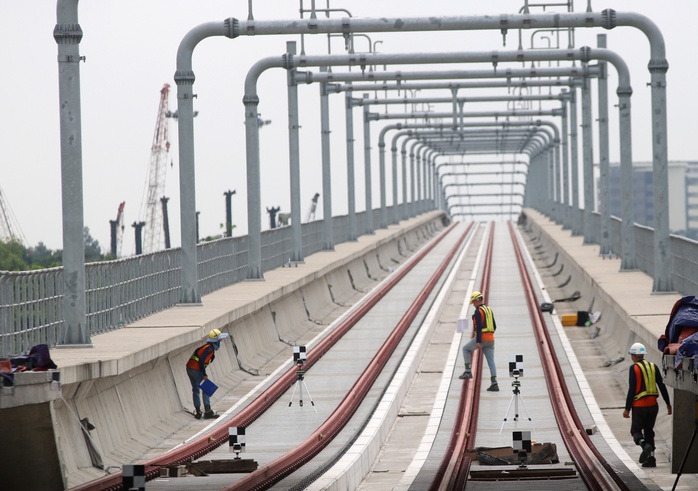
(151, 212)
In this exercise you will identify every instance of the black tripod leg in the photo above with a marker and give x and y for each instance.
(685, 456)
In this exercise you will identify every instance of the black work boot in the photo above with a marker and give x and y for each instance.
(209, 414)
(197, 413)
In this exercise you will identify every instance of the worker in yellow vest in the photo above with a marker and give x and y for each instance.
(645, 384)
(196, 370)
(484, 326)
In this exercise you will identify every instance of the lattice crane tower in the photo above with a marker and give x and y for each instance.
(157, 170)
(9, 227)
(120, 229)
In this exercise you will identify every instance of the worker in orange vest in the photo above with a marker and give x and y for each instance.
(645, 378)
(484, 326)
(196, 370)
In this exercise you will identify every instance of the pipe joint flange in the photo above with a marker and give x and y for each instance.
(184, 77)
(609, 18)
(585, 54)
(232, 27)
(250, 100)
(67, 33)
(302, 77)
(658, 65)
(624, 91)
(287, 61)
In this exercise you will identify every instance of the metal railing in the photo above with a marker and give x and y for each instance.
(684, 251)
(122, 291)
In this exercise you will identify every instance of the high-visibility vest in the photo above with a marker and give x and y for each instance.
(200, 356)
(489, 318)
(649, 378)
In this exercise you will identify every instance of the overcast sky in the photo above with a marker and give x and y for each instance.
(130, 48)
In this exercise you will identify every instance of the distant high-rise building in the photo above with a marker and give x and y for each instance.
(682, 196)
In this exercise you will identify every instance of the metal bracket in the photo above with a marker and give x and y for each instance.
(70, 59)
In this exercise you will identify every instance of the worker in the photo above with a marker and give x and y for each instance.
(644, 380)
(196, 370)
(484, 326)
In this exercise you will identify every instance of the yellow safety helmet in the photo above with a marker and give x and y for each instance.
(216, 335)
(475, 296)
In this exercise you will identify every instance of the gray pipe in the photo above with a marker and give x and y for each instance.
(351, 191)
(574, 149)
(604, 206)
(326, 167)
(565, 200)
(588, 168)
(294, 162)
(251, 101)
(68, 34)
(367, 170)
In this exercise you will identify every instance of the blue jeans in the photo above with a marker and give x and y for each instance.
(487, 349)
(195, 378)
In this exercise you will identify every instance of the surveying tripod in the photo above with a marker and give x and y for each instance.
(300, 380)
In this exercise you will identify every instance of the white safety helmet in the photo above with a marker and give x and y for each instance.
(638, 349)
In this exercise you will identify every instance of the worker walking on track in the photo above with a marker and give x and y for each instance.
(645, 378)
(196, 370)
(484, 326)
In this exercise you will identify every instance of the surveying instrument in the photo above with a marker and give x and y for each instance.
(299, 357)
(516, 371)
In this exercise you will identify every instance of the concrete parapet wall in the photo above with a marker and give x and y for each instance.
(630, 313)
(131, 383)
(624, 319)
(358, 272)
(291, 318)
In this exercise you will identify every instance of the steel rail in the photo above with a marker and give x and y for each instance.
(208, 442)
(593, 468)
(455, 465)
(289, 462)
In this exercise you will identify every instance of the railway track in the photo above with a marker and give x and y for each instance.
(285, 464)
(592, 466)
(454, 468)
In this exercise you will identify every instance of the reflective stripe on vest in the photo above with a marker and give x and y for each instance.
(649, 377)
(195, 355)
(489, 318)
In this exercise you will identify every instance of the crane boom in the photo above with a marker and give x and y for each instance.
(9, 227)
(150, 210)
(120, 229)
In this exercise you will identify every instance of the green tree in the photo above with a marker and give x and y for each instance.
(40, 257)
(12, 256)
(93, 252)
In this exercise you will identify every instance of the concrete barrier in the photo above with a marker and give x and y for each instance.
(342, 290)
(132, 386)
(359, 276)
(630, 313)
(318, 302)
(291, 319)
(624, 320)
